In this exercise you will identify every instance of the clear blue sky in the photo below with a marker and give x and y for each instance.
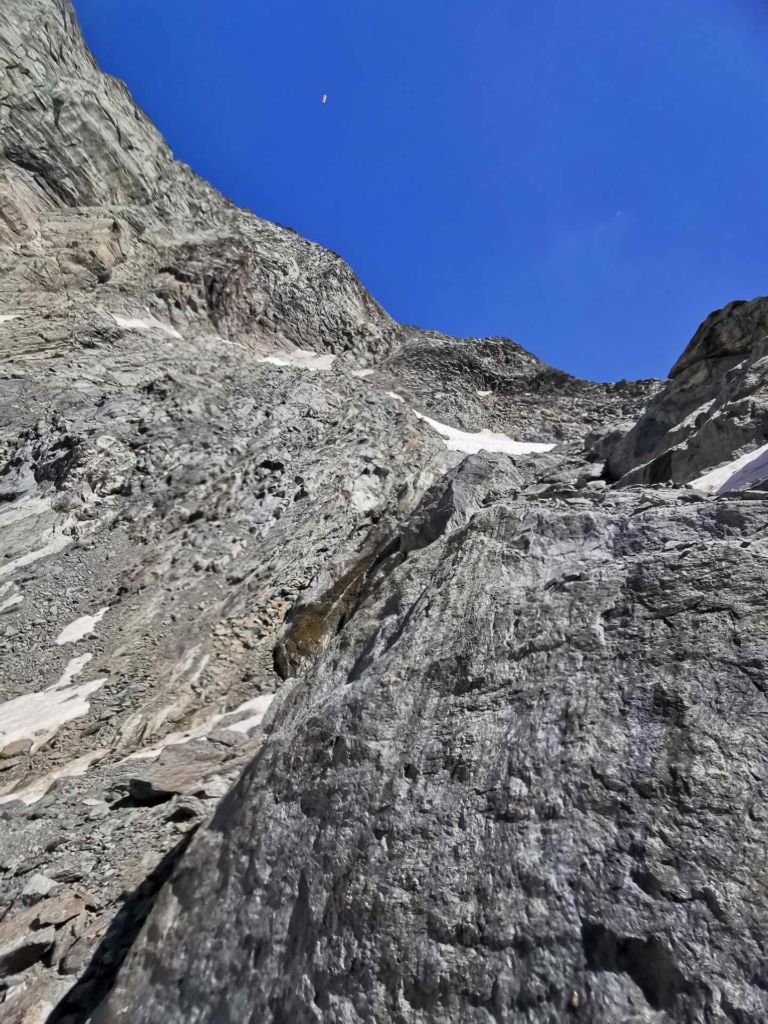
(587, 177)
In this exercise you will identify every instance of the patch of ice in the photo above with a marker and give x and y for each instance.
(747, 469)
(484, 440)
(7, 317)
(150, 324)
(56, 543)
(34, 791)
(302, 359)
(39, 716)
(80, 627)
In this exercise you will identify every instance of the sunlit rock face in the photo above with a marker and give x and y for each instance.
(342, 680)
(713, 409)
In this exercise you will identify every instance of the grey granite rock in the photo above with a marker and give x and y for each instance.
(525, 782)
(502, 723)
(713, 408)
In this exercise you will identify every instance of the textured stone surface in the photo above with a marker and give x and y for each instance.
(713, 408)
(513, 759)
(528, 775)
(492, 382)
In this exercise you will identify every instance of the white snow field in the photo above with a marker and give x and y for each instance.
(747, 469)
(37, 717)
(80, 627)
(150, 324)
(483, 441)
(259, 706)
(37, 789)
(301, 359)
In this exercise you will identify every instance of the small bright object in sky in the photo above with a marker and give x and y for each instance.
(632, 92)
(325, 99)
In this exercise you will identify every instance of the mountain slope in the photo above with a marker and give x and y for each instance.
(501, 724)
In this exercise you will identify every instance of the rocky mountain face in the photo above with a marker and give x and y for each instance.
(351, 672)
(714, 405)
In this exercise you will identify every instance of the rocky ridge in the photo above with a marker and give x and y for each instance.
(497, 723)
(713, 407)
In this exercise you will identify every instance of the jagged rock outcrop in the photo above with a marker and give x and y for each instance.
(97, 214)
(492, 382)
(713, 408)
(499, 723)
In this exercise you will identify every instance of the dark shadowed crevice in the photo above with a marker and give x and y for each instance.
(646, 961)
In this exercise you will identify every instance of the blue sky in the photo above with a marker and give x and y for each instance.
(586, 177)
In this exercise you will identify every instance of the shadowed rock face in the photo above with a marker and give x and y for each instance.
(498, 726)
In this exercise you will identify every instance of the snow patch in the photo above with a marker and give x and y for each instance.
(360, 374)
(56, 542)
(80, 627)
(34, 791)
(7, 317)
(74, 667)
(24, 509)
(258, 705)
(484, 440)
(747, 469)
(176, 739)
(10, 602)
(302, 359)
(150, 324)
(484, 394)
(397, 398)
(37, 717)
